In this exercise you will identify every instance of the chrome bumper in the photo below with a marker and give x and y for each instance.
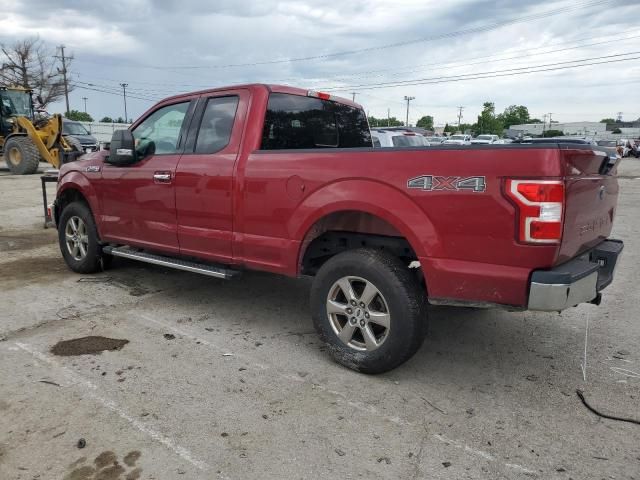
(579, 280)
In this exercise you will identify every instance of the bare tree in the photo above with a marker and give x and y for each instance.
(30, 64)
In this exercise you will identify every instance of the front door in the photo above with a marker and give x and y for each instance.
(205, 176)
(138, 200)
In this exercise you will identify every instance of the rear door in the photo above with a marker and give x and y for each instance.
(138, 200)
(591, 194)
(205, 176)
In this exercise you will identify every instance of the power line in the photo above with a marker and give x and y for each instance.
(431, 38)
(406, 69)
(490, 74)
(119, 93)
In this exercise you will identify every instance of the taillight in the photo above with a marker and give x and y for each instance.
(540, 209)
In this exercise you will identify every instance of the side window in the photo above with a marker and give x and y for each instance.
(162, 128)
(217, 122)
(296, 122)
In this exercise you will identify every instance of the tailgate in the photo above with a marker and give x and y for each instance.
(591, 194)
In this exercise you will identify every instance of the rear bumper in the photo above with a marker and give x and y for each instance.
(579, 280)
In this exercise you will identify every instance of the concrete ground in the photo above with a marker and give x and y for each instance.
(226, 379)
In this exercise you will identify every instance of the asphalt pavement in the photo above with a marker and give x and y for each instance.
(205, 378)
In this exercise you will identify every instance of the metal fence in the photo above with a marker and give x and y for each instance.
(104, 131)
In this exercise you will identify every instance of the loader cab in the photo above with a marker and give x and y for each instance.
(14, 102)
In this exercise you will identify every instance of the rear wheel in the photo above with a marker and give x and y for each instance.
(369, 309)
(78, 238)
(21, 155)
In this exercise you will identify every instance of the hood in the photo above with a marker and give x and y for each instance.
(92, 159)
(85, 139)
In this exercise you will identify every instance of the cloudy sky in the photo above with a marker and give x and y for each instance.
(382, 50)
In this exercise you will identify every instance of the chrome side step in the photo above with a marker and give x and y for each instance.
(178, 264)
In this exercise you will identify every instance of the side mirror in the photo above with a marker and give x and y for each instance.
(122, 150)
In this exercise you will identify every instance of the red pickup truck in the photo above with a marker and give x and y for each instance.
(286, 180)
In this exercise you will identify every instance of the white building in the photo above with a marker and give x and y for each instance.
(588, 129)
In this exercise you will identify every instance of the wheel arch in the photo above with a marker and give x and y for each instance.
(357, 202)
(75, 187)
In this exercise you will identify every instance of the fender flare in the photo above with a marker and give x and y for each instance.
(398, 209)
(76, 181)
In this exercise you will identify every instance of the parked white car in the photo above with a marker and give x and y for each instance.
(485, 140)
(397, 138)
(458, 139)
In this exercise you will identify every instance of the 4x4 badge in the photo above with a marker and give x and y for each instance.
(433, 183)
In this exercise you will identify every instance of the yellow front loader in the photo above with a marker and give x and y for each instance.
(27, 139)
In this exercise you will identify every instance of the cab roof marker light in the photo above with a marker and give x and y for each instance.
(320, 95)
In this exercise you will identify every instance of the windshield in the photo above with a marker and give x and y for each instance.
(69, 128)
(458, 137)
(16, 102)
(485, 137)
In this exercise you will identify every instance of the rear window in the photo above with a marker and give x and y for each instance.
(407, 141)
(296, 122)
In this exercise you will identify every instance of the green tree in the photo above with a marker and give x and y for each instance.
(119, 120)
(553, 133)
(425, 122)
(534, 120)
(384, 122)
(607, 120)
(617, 130)
(514, 115)
(107, 120)
(487, 120)
(78, 116)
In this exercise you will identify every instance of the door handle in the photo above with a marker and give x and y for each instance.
(162, 177)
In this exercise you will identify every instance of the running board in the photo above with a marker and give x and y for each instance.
(178, 264)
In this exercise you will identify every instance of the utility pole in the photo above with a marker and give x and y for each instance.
(619, 117)
(408, 99)
(85, 104)
(353, 96)
(388, 117)
(124, 96)
(550, 121)
(63, 71)
(544, 123)
(460, 109)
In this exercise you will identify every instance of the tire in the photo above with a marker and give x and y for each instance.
(392, 325)
(78, 239)
(21, 155)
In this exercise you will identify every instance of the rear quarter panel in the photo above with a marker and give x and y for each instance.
(464, 239)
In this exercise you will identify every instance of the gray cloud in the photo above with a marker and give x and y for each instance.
(118, 40)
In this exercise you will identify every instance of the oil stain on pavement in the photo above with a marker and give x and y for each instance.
(106, 467)
(90, 345)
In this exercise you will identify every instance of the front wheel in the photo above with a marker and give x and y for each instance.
(78, 238)
(369, 309)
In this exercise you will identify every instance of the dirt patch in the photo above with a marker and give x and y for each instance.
(18, 272)
(106, 468)
(91, 345)
(105, 458)
(131, 458)
(29, 240)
